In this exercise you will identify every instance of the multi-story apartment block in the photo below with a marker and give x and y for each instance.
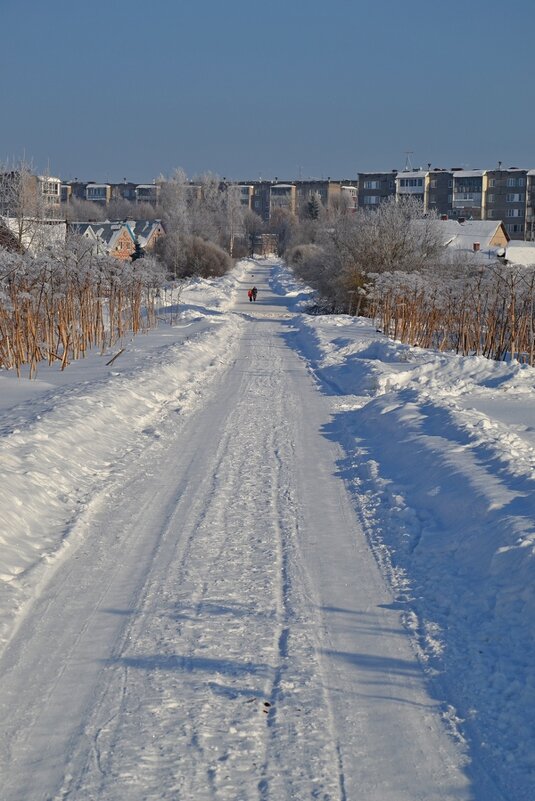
(327, 192)
(349, 194)
(439, 192)
(505, 199)
(21, 192)
(283, 196)
(375, 187)
(467, 187)
(98, 193)
(244, 194)
(50, 190)
(530, 205)
(147, 193)
(265, 196)
(413, 184)
(500, 194)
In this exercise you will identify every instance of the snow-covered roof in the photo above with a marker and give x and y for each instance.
(463, 236)
(468, 173)
(412, 174)
(521, 253)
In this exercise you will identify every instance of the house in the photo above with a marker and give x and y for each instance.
(112, 238)
(146, 232)
(118, 238)
(488, 238)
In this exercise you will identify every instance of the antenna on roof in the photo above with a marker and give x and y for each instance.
(408, 163)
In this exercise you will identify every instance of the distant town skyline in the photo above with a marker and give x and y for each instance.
(296, 88)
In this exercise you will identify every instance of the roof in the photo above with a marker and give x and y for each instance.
(142, 230)
(463, 236)
(108, 232)
(468, 173)
(521, 253)
(412, 174)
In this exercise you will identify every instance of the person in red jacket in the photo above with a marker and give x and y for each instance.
(250, 295)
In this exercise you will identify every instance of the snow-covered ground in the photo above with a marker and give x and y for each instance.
(265, 555)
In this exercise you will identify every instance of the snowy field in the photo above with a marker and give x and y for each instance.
(265, 555)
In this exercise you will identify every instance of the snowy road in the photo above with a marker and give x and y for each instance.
(222, 630)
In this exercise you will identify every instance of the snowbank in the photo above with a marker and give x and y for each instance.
(64, 435)
(440, 455)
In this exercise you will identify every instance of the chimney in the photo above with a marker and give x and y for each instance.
(476, 246)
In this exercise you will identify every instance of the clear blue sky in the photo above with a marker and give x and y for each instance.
(109, 89)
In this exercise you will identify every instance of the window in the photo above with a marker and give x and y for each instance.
(515, 212)
(490, 198)
(492, 182)
(371, 200)
(514, 198)
(433, 184)
(372, 185)
(490, 214)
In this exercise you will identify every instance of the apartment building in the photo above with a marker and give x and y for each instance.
(327, 192)
(375, 187)
(244, 193)
(413, 184)
(467, 194)
(98, 193)
(439, 191)
(530, 206)
(147, 193)
(21, 192)
(506, 199)
(50, 190)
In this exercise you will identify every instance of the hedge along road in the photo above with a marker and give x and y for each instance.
(222, 630)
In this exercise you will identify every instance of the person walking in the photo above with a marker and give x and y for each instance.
(250, 295)
(254, 290)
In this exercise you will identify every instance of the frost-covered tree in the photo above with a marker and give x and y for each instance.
(22, 204)
(197, 211)
(396, 236)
